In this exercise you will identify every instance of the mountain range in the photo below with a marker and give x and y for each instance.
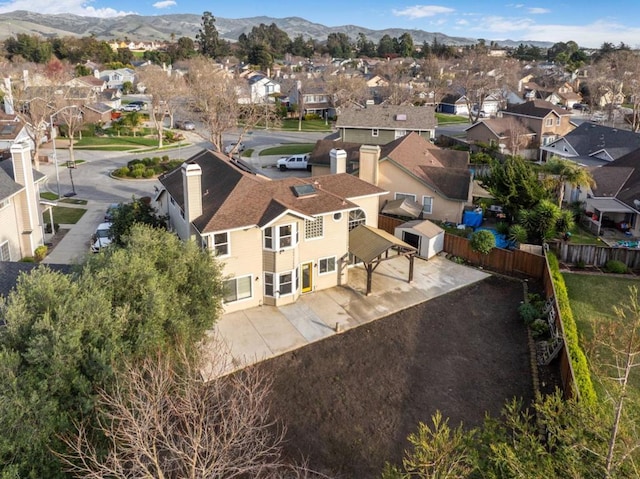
(162, 27)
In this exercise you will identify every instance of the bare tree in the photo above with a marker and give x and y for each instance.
(477, 77)
(167, 89)
(616, 344)
(519, 136)
(216, 95)
(163, 419)
(345, 90)
(435, 74)
(73, 118)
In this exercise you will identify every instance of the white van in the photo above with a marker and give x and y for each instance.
(101, 238)
(294, 162)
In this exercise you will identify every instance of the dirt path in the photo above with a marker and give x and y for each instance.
(350, 401)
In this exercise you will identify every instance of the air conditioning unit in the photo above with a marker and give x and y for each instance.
(401, 117)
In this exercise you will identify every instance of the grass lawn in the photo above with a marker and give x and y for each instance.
(73, 201)
(111, 142)
(592, 299)
(65, 215)
(444, 119)
(290, 149)
(247, 153)
(581, 236)
(47, 195)
(307, 125)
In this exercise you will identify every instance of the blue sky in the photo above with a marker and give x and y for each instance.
(588, 23)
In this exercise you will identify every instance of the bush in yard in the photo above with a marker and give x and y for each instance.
(529, 313)
(539, 328)
(121, 172)
(312, 116)
(483, 242)
(615, 266)
(149, 172)
(517, 234)
(502, 227)
(40, 253)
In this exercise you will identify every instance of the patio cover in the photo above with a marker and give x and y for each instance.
(609, 205)
(368, 244)
(402, 207)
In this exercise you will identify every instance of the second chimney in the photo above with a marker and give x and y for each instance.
(338, 161)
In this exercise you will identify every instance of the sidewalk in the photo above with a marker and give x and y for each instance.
(261, 333)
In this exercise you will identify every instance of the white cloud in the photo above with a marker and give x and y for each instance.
(538, 10)
(76, 7)
(591, 35)
(164, 4)
(422, 11)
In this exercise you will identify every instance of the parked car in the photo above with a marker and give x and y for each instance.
(235, 147)
(109, 214)
(131, 107)
(294, 162)
(580, 107)
(101, 238)
(185, 125)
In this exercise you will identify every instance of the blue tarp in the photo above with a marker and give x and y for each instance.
(501, 240)
(472, 219)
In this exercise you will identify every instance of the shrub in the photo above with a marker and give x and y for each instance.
(28, 259)
(149, 172)
(135, 162)
(121, 172)
(502, 227)
(165, 158)
(312, 116)
(40, 253)
(517, 234)
(578, 358)
(615, 266)
(539, 328)
(581, 264)
(483, 241)
(529, 313)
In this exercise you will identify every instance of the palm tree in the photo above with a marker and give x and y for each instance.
(133, 120)
(567, 171)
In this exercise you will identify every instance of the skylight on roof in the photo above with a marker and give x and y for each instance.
(304, 190)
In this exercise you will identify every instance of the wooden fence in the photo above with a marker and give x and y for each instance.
(594, 255)
(388, 224)
(499, 260)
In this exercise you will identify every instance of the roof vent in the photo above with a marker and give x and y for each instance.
(401, 117)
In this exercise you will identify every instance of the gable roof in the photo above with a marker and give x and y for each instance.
(8, 185)
(537, 109)
(591, 139)
(388, 117)
(625, 178)
(500, 127)
(233, 198)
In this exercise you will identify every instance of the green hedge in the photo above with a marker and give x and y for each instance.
(578, 358)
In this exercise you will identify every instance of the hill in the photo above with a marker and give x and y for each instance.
(161, 27)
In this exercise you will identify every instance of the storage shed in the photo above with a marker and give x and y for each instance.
(425, 236)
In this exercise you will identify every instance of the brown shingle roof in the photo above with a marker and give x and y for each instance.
(385, 117)
(233, 198)
(537, 109)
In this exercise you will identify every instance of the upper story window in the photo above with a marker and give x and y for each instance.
(400, 133)
(221, 244)
(280, 237)
(558, 121)
(548, 122)
(314, 229)
(356, 217)
(4, 203)
(427, 204)
(375, 132)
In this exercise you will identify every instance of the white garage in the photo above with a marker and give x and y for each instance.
(424, 235)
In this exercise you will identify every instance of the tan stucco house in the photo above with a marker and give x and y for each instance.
(21, 228)
(410, 167)
(548, 121)
(276, 239)
(381, 124)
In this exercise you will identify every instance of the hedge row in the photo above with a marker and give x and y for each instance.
(578, 358)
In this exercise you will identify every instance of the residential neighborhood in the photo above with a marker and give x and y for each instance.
(391, 239)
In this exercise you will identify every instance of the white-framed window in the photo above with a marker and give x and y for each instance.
(5, 253)
(375, 132)
(4, 203)
(400, 133)
(401, 196)
(548, 122)
(427, 204)
(280, 284)
(221, 244)
(356, 217)
(558, 120)
(337, 216)
(314, 228)
(236, 289)
(280, 237)
(327, 265)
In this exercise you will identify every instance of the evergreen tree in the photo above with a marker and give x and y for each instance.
(207, 36)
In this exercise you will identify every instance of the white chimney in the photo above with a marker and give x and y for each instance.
(369, 158)
(96, 73)
(338, 161)
(25, 78)
(192, 187)
(8, 97)
(32, 233)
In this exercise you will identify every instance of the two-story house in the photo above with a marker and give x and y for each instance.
(312, 98)
(117, 78)
(276, 239)
(411, 167)
(262, 88)
(382, 124)
(548, 121)
(21, 228)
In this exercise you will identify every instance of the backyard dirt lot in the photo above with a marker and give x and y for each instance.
(350, 401)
